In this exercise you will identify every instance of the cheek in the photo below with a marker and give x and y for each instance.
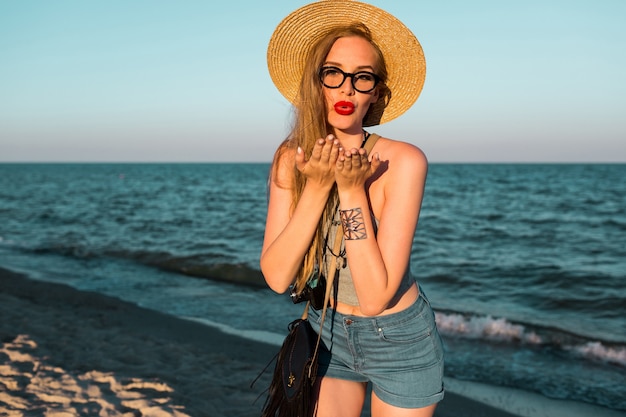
(329, 99)
(328, 94)
(371, 99)
(374, 96)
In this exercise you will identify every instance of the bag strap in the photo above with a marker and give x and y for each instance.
(371, 141)
(334, 271)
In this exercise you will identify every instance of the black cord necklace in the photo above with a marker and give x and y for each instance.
(366, 136)
(342, 260)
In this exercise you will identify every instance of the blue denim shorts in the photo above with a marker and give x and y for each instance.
(401, 354)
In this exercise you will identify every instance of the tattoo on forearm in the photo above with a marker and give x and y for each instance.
(353, 225)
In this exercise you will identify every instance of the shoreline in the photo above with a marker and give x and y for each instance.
(63, 349)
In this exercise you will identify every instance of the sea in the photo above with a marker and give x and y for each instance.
(524, 264)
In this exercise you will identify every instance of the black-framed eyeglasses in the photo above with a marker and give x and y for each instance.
(362, 81)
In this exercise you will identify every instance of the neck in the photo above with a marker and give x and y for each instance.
(349, 141)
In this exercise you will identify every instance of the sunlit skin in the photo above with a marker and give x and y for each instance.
(394, 195)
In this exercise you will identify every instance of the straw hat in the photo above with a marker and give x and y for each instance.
(297, 33)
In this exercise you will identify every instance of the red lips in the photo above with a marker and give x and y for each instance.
(344, 108)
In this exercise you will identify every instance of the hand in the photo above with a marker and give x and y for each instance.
(320, 167)
(353, 168)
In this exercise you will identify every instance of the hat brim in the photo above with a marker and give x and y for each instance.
(294, 36)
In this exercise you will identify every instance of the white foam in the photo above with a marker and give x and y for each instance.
(484, 327)
(524, 403)
(500, 329)
(597, 350)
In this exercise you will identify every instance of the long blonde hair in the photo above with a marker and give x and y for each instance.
(310, 124)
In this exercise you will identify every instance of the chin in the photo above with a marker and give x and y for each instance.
(345, 123)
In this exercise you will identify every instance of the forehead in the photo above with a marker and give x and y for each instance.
(352, 50)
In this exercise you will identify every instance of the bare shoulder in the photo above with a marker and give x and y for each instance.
(399, 180)
(283, 165)
(401, 155)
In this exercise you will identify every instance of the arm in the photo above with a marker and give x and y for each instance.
(288, 233)
(378, 263)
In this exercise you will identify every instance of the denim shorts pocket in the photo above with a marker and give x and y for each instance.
(412, 344)
(409, 331)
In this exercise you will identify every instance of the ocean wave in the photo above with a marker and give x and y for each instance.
(208, 265)
(226, 272)
(599, 351)
(501, 330)
(486, 327)
(213, 266)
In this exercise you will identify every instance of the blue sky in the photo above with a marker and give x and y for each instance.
(139, 80)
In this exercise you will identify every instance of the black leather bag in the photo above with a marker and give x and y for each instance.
(291, 391)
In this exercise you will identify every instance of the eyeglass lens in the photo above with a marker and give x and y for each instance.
(362, 81)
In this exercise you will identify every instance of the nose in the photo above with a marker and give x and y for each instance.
(347, 86)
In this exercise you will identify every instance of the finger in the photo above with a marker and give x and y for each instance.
(300, 160)
(336, 149)
(327, 147)
(346, 158)
(317, 149)
(356, 158)
(374, 162)
(364, 160)
(340, 164)
(349, 152)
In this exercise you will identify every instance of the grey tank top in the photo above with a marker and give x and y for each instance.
(343, 285)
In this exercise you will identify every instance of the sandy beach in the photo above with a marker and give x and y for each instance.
(65, 352)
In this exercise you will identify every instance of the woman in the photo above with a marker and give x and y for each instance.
(346, 65)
